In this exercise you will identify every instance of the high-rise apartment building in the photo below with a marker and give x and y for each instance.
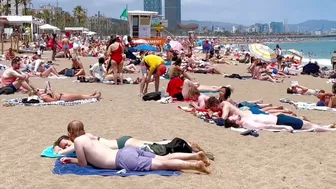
(173, 12)
(153, 5)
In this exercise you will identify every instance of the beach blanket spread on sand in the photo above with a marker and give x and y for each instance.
(64, 169)
(18, 101)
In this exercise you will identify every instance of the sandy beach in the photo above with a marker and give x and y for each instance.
(272, 160)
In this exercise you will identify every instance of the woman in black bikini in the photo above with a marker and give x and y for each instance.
(48, 95)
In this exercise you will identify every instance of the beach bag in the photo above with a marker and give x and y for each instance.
(31, 100)
(178, 145)
(6, 91)
(152, 96)
(69, 72)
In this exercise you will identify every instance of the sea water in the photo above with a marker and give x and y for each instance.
(321, 50)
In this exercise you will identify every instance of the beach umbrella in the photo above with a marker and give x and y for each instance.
(140, 41)
(48, 27)
(146, 47)
(262, 52)
(177, 46)
(295, 52)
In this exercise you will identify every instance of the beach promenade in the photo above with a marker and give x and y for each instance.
(272, 160)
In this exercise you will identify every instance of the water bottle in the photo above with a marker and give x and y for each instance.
(163, 92)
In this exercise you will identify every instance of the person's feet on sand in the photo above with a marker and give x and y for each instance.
(200, 166)
(195, 147)
(204, 158)
(94, 93)
(97, 95)
(260, 101)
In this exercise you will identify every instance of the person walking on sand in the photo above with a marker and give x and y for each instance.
(333, 61)
(90, 151)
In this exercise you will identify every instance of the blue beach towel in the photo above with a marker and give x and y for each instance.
(65, 169)
(49, 153)
(209, 92)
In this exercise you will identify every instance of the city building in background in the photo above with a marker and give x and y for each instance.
(153, 5)
(99, 23)
(50, 8)
(173, 13)
(12, 8)
(277, 27)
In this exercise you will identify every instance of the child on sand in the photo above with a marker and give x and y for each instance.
(90, 151)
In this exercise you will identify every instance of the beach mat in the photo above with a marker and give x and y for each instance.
(18, 101)
(307, 106)
(49, 153)
(73, 169)
(210, 92)
(272, 130)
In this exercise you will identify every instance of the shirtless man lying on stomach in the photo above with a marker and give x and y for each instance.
(90, 151)
(234, 117)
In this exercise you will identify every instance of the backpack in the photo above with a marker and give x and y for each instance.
(152, 96)
(6, 91)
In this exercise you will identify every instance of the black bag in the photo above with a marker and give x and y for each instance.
(178, 145)
(152, 96)
(6, 91)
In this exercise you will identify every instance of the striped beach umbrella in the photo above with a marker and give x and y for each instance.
(262, 52)
(295, 52)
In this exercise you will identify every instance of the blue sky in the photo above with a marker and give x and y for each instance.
(235, 11)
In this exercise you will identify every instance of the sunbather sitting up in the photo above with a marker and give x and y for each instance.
(90, 151)
(14, 79)
(234, 117)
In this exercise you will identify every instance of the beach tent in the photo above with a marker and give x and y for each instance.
(262, 52)
(19, 20)
(48, 27)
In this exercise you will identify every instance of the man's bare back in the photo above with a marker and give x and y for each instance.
(90, 150)
(229, 109)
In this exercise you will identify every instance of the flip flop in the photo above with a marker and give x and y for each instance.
(210, 156)
(250, 132)
(285, 100)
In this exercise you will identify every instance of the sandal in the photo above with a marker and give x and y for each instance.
(210, 156)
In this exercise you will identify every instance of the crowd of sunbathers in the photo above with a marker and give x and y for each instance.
(137, 155)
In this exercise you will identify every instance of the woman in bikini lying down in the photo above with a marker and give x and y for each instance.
(63, 145)
(48, 95)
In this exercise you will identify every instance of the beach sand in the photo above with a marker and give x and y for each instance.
(273, 160)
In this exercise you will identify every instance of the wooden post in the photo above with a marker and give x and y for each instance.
(2, 43)
(11, 40)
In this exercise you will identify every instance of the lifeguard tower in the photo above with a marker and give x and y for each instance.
(140, 26)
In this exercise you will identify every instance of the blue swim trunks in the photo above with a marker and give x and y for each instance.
(293, 122)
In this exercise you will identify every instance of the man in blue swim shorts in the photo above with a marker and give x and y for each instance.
(90, 151)
(234, 117)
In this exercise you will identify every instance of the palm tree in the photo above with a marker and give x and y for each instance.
(46, 15)
(25, 3)
(17, 7)
(6, 8)
(80, 14)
